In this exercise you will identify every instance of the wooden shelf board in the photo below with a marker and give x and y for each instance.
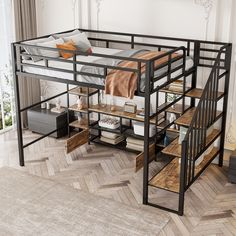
(172, 91)
(174, 148)
(75, 108)
(169, 177)
(119, 112)
(83, 124)
(197, 93)
(82, 91)
(186, 118)
(177, 109)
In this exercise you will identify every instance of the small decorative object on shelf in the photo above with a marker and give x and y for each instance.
(109, 123)
(141, 114)
(103, 101)
(113, 107)
(79, 118)
(43, 105)
(172, 118)
(130, 107)
(81, 103)
(172, 98)
(58, 108)
(166, 140)
(176, 86)
(48, 105)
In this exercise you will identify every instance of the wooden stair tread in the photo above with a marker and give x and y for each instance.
(186, 118)
(177, 109)
(197, 93)
(174, 148)
(169, 177)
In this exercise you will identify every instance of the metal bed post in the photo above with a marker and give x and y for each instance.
(18, 109)
(228, 56)
(196, 63)
(146, 133)
(182, 180)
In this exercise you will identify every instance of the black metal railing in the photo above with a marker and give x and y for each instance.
(197, 138)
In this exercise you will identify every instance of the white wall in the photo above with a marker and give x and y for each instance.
(177, 18)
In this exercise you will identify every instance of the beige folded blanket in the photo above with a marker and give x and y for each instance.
(135, 141)
(124, 83)
(135, 147)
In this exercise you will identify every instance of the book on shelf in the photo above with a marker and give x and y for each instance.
(176, 86)
(112, 141)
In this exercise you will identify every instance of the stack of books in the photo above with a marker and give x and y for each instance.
(111, 138)
(135, 144)
(176, 86)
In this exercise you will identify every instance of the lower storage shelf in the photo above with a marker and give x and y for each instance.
(169, 177)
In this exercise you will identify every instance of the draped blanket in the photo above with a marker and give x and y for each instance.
(124, 83)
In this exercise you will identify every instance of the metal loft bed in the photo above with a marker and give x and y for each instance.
(213, 55)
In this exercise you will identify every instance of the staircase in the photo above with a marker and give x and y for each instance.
(197, 150)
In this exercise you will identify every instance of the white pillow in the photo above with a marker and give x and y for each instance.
(51, 44)
(81, 41)
(35, 51)
(57, 36)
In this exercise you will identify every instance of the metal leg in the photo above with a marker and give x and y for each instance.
(18, 110)
(18, 122)
(146, 134)
(226, 91)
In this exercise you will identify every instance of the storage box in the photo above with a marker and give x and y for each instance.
(130, 107)
(139, 129)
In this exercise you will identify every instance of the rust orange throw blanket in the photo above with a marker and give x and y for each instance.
(124, 83)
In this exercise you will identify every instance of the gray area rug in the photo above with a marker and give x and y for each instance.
(30, 205)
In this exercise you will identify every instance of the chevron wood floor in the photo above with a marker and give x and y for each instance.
(210, 205)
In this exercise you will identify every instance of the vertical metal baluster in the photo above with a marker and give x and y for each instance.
(68, 111)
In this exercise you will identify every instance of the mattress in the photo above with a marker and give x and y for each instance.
(90, 59)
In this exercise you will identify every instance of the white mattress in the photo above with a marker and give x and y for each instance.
(80, 78)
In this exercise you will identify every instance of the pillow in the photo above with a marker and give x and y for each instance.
(81, 41)
(51, 44)
(35, 51)
(69, 46)
(57, 36)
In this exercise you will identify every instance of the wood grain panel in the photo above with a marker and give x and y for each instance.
(174, 148)
(140, 157)
(77, 140)
(169, 177)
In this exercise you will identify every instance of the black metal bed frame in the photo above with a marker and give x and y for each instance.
(205, 115)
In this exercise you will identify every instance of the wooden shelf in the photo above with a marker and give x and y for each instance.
(174, 148)
(167, 90)
(119, 112)
(169, 177)
(197, 93)
(165, 124)
(177, 109)
(82, 91)
(186, 118)
(83, 124)
(75, 108)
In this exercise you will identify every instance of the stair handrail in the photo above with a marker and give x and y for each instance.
(204, 116)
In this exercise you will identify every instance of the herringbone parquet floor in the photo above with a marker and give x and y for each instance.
(210, 206)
